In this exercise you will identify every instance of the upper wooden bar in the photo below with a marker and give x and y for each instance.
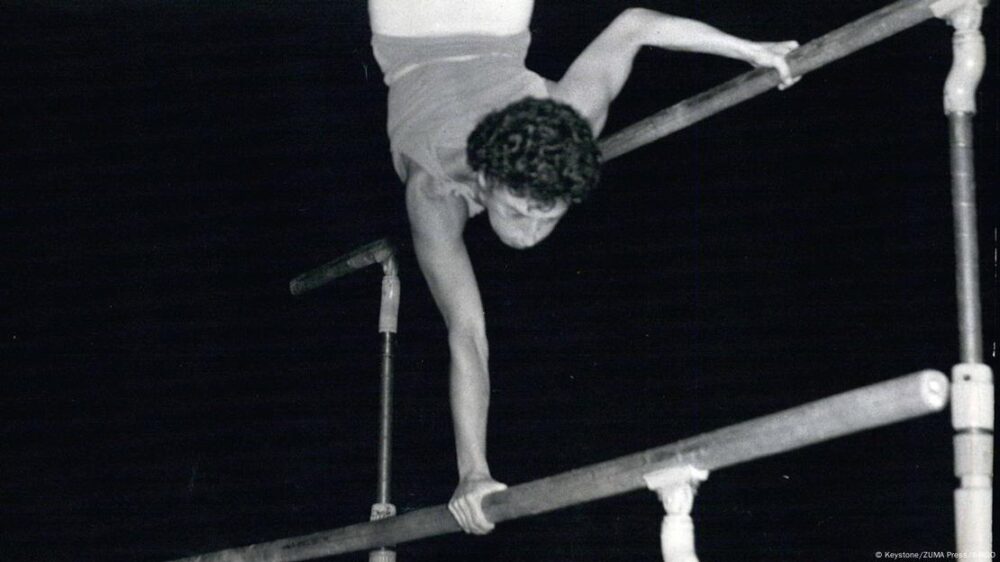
(833, 46)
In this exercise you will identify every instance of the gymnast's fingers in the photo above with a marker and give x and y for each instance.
(486, 490)
(460, 515)
(469, 516)
(789, 83)
(786, 47)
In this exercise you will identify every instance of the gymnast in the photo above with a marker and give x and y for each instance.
(472, 130)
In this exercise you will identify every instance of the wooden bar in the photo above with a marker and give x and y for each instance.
(835, 45)
(850, 412)
(378, 251)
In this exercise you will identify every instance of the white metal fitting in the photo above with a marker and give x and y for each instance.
(972, 417)
(945, 9)
(388, 318)
(676, 488)
(383, 555)
(969, 53)
(382, 511)
(972, 405)
(974, 458)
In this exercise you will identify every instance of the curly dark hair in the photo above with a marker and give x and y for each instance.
(539, 148)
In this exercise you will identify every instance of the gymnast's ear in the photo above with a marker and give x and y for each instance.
(487, 184)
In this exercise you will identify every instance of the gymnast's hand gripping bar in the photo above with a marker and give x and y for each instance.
(835, 45)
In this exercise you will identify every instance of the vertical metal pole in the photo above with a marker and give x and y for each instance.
(385, 422)
(972, 398)
(972, 406)
(963, 193)
(383, 253)
(387, 326)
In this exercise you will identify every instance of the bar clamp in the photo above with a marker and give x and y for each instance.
(969, 53)
(676, 487)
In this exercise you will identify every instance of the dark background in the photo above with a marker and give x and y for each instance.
(169, 166)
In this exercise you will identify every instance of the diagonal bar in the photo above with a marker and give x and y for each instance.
(858, 410)
(819, 52)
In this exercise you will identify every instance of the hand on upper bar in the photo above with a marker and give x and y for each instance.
(466, 503)
(597, 76)
(772, 55)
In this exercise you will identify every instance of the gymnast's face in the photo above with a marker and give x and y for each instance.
(519, 221)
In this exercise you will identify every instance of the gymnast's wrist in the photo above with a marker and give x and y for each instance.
(474, 474)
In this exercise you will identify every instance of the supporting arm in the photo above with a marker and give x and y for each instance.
(596, 77)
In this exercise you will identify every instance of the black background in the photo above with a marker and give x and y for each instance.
(171, 165)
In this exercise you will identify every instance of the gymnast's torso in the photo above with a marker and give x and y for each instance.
(440, 86)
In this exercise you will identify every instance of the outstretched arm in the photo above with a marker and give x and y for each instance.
(437, 222)
(596, 77)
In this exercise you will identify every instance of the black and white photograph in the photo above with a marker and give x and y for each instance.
(498, 280)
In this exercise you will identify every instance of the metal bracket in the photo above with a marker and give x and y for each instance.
(945, 8)
(676, 487)
(969, 53)
(972, 416)
(972, 397)
(382, 511)
(388, 318)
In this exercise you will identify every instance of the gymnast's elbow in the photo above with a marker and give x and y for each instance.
(633, 25)
(468, 335)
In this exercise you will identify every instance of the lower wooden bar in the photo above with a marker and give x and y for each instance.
(858, 410)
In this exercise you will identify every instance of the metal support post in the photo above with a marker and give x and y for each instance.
(387, 323)
(383, 253)
(972, 405)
